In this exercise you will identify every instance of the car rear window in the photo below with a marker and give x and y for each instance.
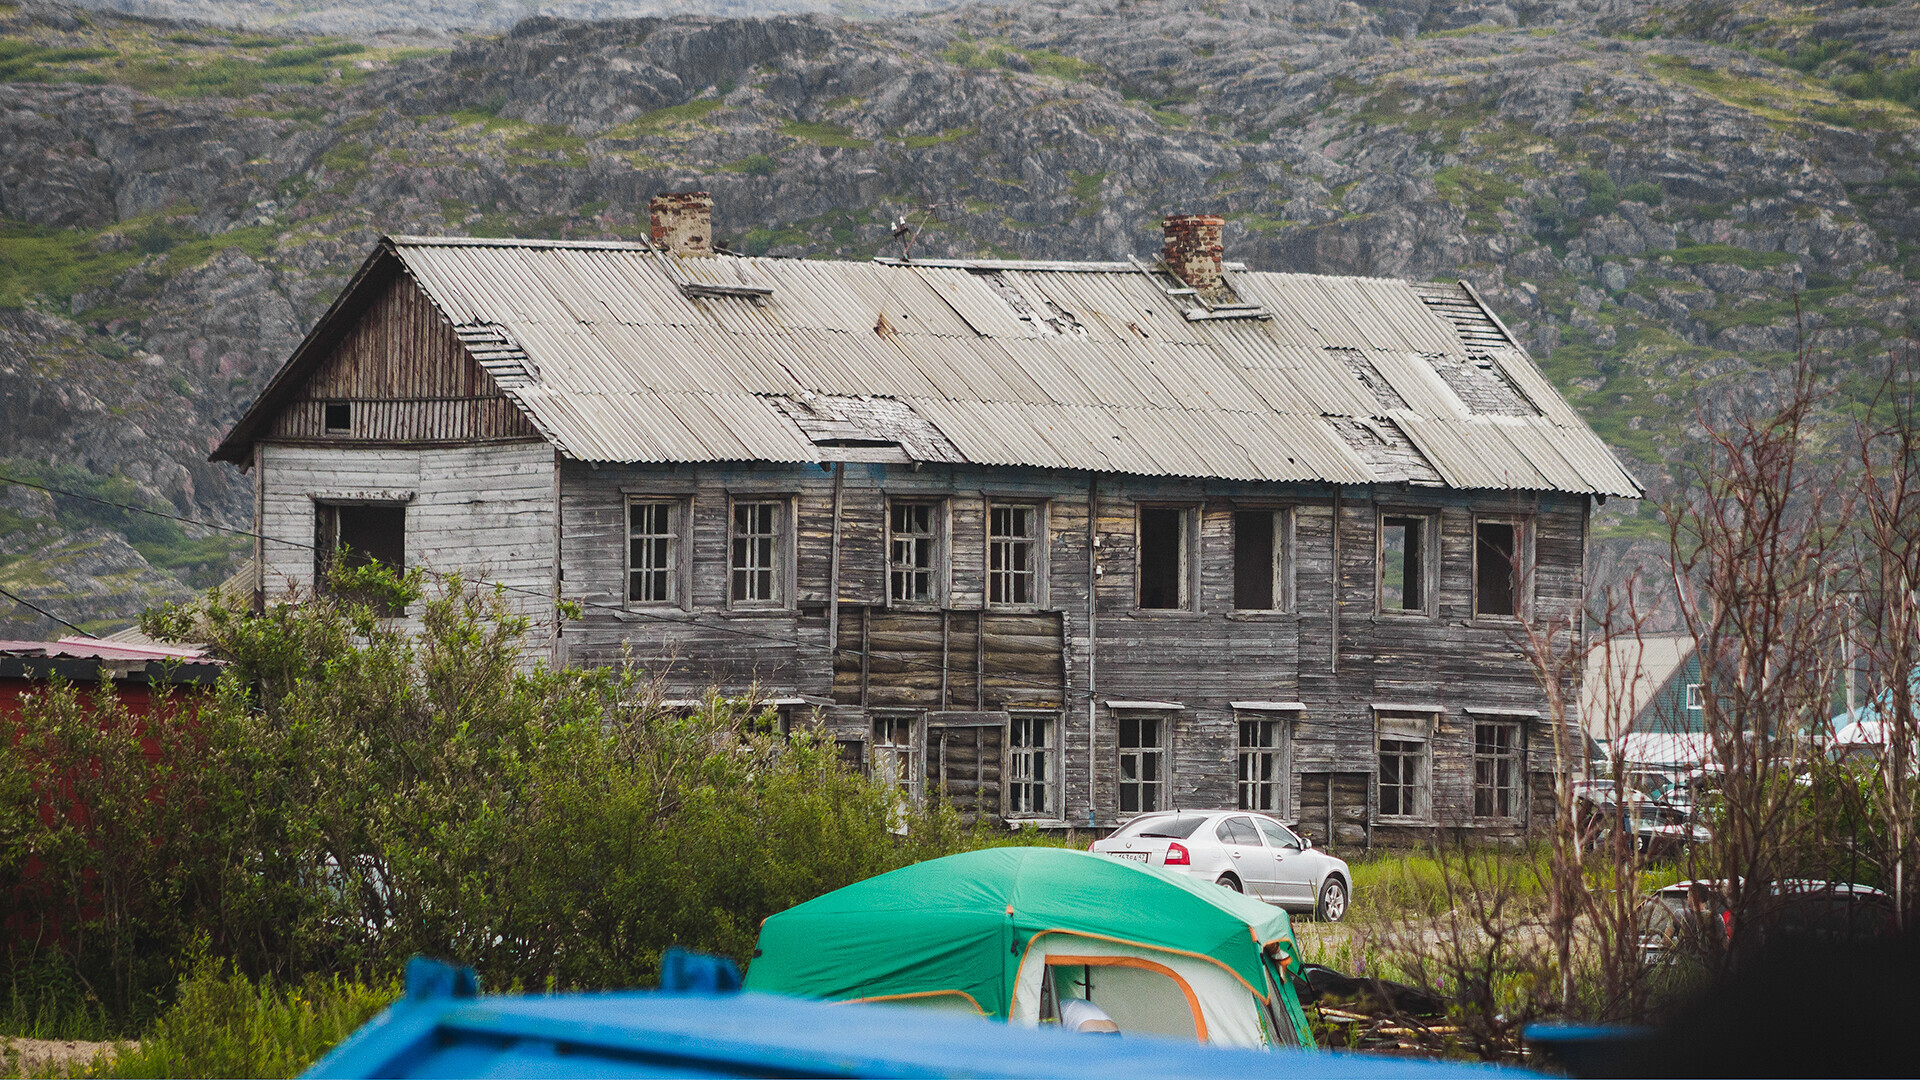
(1178, 827)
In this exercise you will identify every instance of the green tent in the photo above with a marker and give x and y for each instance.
(1009, 932)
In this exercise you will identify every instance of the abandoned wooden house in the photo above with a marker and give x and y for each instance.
(1058, 542)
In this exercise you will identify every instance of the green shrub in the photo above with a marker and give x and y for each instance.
(224, 1024)
(1602, 196)
(351, 795)
(1642, 191)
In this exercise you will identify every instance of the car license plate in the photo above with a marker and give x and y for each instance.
(1136, 856)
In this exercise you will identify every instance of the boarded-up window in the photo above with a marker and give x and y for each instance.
(1163, 554)
(1496, 579)
(359, 534)
(963, 762)
(755, 561)
(1262, 766)
(1013, 555)
(1033, 787)
(1143, 750)
(1496, 769)
(653, 552)
(1260, 560)
(913, 553)
(1403, 563)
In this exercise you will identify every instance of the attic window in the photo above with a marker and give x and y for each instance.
(337, 417)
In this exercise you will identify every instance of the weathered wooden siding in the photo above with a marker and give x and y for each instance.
(407, 378)
(486, 512)
(1201, 659)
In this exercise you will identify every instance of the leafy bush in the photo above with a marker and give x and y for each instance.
(350, 795)
(224, 1024)
(1602, 196)
(1642, 191)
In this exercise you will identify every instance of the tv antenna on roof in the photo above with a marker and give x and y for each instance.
(910, 233)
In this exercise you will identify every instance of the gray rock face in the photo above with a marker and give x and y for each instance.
(1642, 212)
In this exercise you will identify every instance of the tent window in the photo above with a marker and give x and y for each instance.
(1143, 996)
(1143, 778)
(1262, 768)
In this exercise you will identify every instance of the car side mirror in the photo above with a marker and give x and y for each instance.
(1306, 842)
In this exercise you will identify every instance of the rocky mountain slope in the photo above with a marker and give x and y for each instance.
(1644, 192)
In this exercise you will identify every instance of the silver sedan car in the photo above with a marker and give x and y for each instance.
(1241, 850)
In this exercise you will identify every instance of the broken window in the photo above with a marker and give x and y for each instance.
(653, 552)
(1033, 783)
(1164, 540)
(1403, 563)
(755, 559)
(359, 534)
(1259, 560)
(895, 758)
(1262, 769)
(913, 544)
(1405, 765)
(1013, 555)
(1496, 577)
(1496, 770)
(1143, 777)
(337, 417)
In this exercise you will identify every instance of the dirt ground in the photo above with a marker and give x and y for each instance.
(23, 1057)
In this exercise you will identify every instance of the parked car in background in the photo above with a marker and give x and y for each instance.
(1243, 851)
(1659, 829)
(1691, 917)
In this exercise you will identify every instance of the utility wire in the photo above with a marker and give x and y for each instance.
(831, 649)
(24, 602)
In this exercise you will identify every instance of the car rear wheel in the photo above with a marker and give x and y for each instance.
(1228, 881)
(1333, 900)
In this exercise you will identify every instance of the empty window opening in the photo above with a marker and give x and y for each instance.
(653, 550)
(1142, 764)
(1013, 555)
(755, 546)
(357, 535)
(1495, 574)
(337, 417)
(1032, 787)
(1163, 557)
(1496, 770)
(912, 549)
(1402, 777)
(895, 760)
(1256, 563)
(1262, 770)
(1403, 563)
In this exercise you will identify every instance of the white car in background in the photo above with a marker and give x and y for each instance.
(1241, 850)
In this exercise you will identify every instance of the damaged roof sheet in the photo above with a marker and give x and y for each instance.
(619, 353)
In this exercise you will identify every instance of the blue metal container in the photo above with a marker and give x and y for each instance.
(700, 1027)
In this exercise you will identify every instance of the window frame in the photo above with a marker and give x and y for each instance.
(680, 539)
(1052, 785)
(326, 536)
(1522, 573)
(1515, 753)
(939, 572)
(1283, 571)
(913, 753)
(782, 559)
(1188, 560)
(1696, 697)
(1404, 725)
(1429, 562)
(327, 426)
(1280, 754)
(1039, 542)
(1161, 753)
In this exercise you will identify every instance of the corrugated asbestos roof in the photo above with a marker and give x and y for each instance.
(619, 353)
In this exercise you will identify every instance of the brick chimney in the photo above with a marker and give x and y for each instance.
(1193, 248)
(683, 222)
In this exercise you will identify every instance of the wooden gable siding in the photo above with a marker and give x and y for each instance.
(407, 378)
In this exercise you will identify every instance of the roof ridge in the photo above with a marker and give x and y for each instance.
(410, 240)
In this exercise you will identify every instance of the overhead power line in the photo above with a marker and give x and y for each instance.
(831, 649)
(24, 602)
